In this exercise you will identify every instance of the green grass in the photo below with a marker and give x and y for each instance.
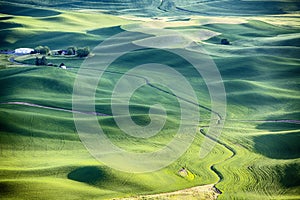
(23, 30)
(53, 151)
(41, 153)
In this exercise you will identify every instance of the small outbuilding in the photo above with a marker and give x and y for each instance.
(62, 66)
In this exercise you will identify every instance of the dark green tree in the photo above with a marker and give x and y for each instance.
(44, 61)
(42, 50)
(71, 50)
(37, 61)
(83, 52)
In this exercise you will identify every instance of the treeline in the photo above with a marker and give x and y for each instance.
(41, 50)
(80, 52)
(41, 61)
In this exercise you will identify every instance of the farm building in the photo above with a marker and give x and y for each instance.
(59, 52)
(23, 50)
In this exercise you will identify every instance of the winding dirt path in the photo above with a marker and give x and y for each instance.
(212, 167)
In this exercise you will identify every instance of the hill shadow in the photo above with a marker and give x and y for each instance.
(276, 126)
(90, 175)
(6, 189)
(278, 146)
(103, 178)
(54, 39)
(106, 32)
(290, 175)
(5, 18)
(5, 25)
(14, 9)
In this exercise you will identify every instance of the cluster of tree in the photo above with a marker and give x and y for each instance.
(225, 42)
(41, 50)
(41, 61)
(71, 50)
(80, 52)
(83, 52)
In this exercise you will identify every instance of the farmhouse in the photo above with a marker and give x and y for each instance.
(23, 51)
(59, 52)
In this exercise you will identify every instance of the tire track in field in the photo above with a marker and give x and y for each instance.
(53, 108)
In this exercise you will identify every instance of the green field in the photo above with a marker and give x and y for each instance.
(256, 157)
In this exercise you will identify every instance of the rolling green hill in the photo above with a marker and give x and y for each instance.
(154, 8)
(257, 155)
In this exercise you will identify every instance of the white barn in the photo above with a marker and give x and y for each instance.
(23, 50)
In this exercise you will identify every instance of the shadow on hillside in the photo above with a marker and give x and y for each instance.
(278, 146)
(106, 32)
(54, 39)
(290, 175)
(19, 10)
(90, 175)
(6, 189)
(5, 25)
(103, 178)
(276, 126)
(5, 18)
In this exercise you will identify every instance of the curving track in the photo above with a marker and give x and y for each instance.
(54, 108)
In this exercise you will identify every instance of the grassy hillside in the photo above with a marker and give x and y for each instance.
(154, 8)
(24, 26)
(257, 156)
